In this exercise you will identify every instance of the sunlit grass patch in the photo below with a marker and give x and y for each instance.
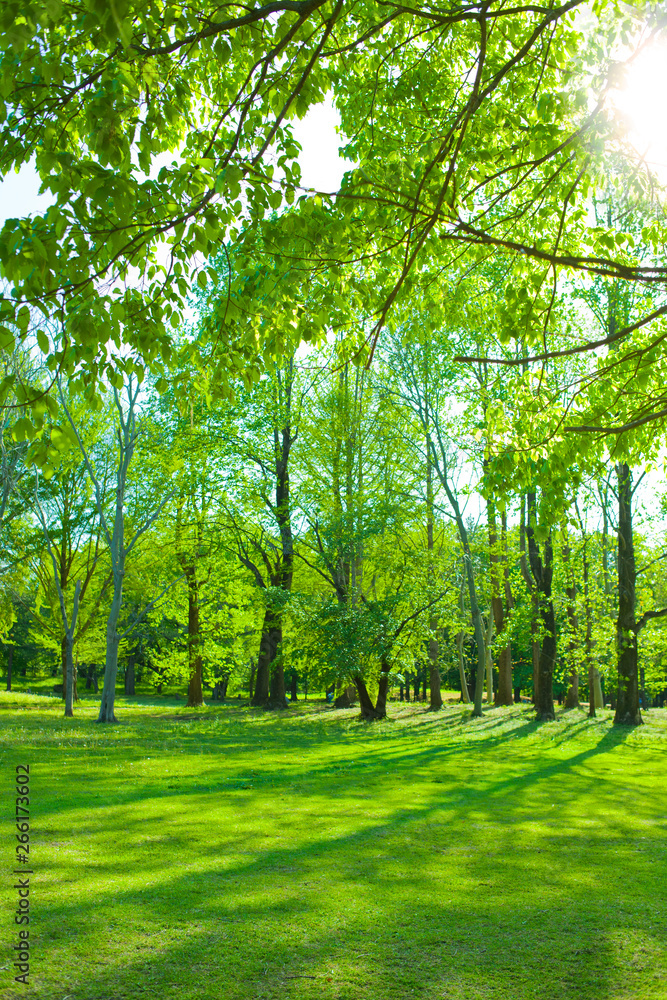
(234, 853)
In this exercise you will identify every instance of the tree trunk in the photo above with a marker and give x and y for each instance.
(91, 678)
(435, 684)
(278, 697)
(69, 675)
(542, 571)
(10, 660)
(268, 649)
(572, 697)
(534, 600)
(251, 684)
(108, 699)
(365, 703)
(627, 702)
(129, 675)
(368, 710)
(383, 688)
(488, 659)
(293, 686)
(195, 693)
(503, 695)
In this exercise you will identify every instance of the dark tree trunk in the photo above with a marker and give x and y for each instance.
(195, 694)
(347, 698)
(627, 701)
(542, 571)
(69, 676)
(129, 675)
(434, 678)
(368, 710)
(269, 646)
(365, 703)
(277, 696)
(503, 695)
(251, 684)
(293, 686)
(572, 697)
(415, 686)
(435, 683)
(383, 687)
(517, 696)
(10, 660)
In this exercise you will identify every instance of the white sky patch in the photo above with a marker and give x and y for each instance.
(322, 166)
(639, 104)
(19, 194)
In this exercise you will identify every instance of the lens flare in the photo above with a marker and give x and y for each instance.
(639, 105)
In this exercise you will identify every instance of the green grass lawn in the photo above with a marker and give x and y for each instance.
(234, 854)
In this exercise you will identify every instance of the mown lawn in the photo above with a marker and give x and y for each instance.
(235, 854)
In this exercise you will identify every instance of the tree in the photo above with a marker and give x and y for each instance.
(113, 523)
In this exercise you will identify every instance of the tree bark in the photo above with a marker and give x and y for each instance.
(627, 702)
(542, 571)
(370, 711)
(503, 695)
(129, 675)
(488, 659)
(572, 696)
(195, 693)
(277, 695)
(268, 649)
(107, 702)
(69, 675)
(10, 660)
(534, 603)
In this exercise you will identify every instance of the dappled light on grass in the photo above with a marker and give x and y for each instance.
(239, 854)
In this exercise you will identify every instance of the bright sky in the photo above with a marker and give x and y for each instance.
(321, 166)
(640, 106)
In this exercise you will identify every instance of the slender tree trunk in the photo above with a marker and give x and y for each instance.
(10, 660)
(107, 702)
(572, 696)
(496, 559)
(383, 688)
(534, 603)
(627, 702)
(251, 684)
(69, 682)
(488, 659)
(195, 693)
(542, 571)
(129, 675)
